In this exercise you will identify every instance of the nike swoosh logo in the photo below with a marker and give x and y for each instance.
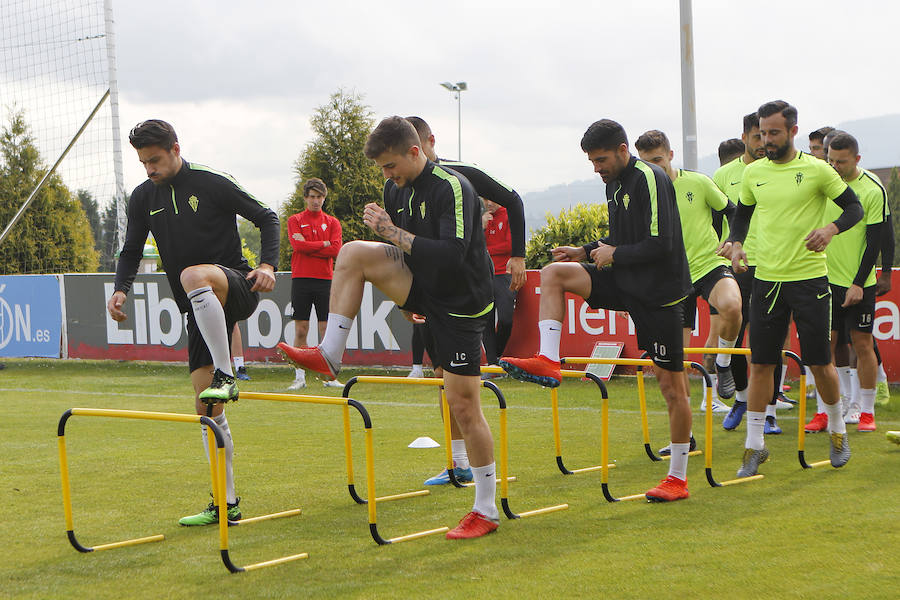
(158, 210)
(342, 327)
(760, 184)
(488, 475)
(820, 296)
(553, 329)
(735, 183)
(456, 364)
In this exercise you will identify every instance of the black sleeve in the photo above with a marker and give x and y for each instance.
(718, 217)
(873, 241)
(853, 210)
(133, 248)
(740, 224)
(887, 244)
(590, 247)
(495, 191)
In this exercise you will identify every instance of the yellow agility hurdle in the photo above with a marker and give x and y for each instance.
(801, 402)
(371, 500)
(217, 473)
(554, 411)
(504, 475)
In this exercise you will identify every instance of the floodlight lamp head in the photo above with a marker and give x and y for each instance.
(461, 85)
(448, 85)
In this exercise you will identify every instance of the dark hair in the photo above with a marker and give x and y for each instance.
(153, 132)
(652, 139)
(820, 133)
(730, 150)
(314, 183)
(421, 126)
(844, 141)
(603, 135)
(751, 121)
(779, 106)
(394, 134)
(826, 141)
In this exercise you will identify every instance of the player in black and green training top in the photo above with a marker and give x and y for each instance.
(190, 210)
(504, 286)
(641, 268)
(711, 277)
(788, 192)
(436, 265)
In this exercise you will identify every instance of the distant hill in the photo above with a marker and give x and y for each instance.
(879, 147)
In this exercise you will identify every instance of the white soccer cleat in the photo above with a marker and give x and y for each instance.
(298, 384)
(718, 406)
(852, 415)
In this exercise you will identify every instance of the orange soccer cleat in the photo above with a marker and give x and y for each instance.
(308, 358)
(669, 489)
(537, 369)
(473, 525)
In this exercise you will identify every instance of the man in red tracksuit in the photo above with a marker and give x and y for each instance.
(499, 245)
(315, 237)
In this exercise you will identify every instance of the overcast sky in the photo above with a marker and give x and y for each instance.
(240, 80)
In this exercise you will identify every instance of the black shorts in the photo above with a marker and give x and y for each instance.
(745, 283)
(658, 328)
(703, 287)
(859, 316)
(453, 343)
(239, 304)
(306, 292)
(773, 304)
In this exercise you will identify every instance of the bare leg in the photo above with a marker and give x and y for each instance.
(556, 280)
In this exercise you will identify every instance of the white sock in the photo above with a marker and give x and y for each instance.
(486, 491)
(867, 400)
(755, 432)
(844, 380)
(460, 456)
(679, 459)
(724, 360)
(854, 387)
(334, 342)
(299, 374)
(835, 418)
(209, 314)
(820, 404)
(741, 395)
(810, 378)
(770, 410)
(238, 362)
(881, 376)
(222, 422)
(551, 332)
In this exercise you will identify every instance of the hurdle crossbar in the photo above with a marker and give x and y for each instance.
(217, 474)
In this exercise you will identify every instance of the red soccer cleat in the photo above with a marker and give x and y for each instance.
(818, 423)
(308, 358)
(866, 422)
(537, 369)
(473, 525)
(669, 489)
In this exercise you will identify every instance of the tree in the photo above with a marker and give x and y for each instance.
(336, 157)
(577, 226)
(53, 235)
(893, 194)
(107, 242)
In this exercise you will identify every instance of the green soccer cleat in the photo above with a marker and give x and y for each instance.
(222, 389)
(210, 515)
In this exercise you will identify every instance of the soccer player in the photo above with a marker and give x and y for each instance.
(851, 275)
(435, 265)
(315, 238)
(729, 150)
(190, 209)
(787, 193)
(711, 276)
(641, 268)
(817, 146)
(501, 194)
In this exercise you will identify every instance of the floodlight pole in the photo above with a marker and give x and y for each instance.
(457, 88)
(688, 96)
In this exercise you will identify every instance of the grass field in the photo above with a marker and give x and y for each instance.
(818, 533)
